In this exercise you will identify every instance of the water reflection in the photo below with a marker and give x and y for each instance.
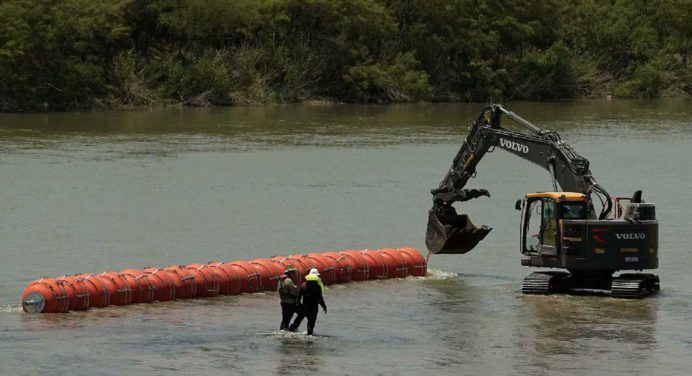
(567, 317)
(299, 354)
(297, 116)
(454, 306)
(550, 328)
(306, 125)
(40, 322)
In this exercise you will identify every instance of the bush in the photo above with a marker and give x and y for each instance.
(547, 74)
(129, 75)
(302, 70)
(202, 81)
(647, 82)
(398, 81)
(249, 84)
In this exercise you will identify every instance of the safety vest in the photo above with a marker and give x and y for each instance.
(312, 277)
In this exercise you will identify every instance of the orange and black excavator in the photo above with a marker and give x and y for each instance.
(560, 228)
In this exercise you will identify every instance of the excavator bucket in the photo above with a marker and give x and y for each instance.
(453, 234)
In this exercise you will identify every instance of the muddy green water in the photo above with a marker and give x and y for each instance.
(88, 192)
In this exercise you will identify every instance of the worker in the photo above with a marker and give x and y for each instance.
(549, 220)
(310, 297)
(288, 293)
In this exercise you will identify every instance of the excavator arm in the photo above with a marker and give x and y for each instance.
(449, 232)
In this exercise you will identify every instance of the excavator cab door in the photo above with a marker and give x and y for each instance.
(539, 226)
(548, 228)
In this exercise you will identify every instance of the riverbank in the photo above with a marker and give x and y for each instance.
(161, 104)
(76, 54)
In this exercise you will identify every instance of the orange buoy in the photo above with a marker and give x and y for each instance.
(77, 293)
(300, 267)
(344, 266)
(332, 257)
(270, 272)
(45, 295)
(98, 294)
(390, 264)
(409, 261)
(142, 289)
(400, 270)
(377, 266)
(420, 266)
(327, 267)
(183, 280)
(118, 289)
(304, 260)
(361, 271)
(164, 289)
(206, 280)
(229, 282)
(249, 278)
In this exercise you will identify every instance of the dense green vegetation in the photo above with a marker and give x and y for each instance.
(70, 54)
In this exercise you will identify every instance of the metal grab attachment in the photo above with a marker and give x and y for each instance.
(453, 234)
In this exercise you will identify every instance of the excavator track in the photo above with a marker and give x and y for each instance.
(543, 283)
(634, 286)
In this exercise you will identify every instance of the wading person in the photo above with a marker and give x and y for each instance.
(288, 293)
(310, 298)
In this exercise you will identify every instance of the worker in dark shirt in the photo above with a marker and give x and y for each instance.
(288, 293)
(310, 297)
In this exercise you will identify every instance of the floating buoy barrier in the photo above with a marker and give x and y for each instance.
(83, 291)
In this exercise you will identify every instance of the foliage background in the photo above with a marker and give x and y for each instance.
(73, 54)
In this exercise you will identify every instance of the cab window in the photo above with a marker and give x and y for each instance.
(549, 213)
(573, 210)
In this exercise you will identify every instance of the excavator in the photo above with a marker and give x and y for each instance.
(560, 230)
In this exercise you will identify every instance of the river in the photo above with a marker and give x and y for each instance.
(95, 191)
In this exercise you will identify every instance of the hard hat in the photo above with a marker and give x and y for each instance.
(314, 271)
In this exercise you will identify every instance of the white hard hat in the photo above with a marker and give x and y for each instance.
(314, 271)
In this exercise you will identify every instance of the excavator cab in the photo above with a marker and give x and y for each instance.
(541, 219)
